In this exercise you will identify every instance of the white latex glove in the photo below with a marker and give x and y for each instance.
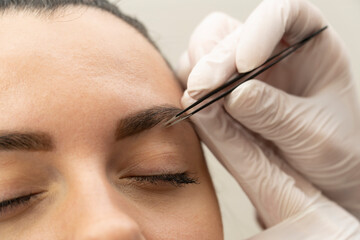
(309, 118)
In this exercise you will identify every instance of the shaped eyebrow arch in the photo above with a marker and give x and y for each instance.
(144, 120)
(31, 141)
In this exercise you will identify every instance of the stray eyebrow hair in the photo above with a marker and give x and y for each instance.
(26, 141)
(144, 120)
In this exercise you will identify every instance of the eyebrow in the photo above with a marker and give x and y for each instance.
(26, 141)
(144, 120)
(128, 126)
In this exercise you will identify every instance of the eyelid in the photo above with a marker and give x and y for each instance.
(12, 207)
(149, 167)
(153, 155)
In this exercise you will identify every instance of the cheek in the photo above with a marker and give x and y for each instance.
(194, 216)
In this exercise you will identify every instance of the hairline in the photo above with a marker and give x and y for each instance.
(49, 8)
(58, 10)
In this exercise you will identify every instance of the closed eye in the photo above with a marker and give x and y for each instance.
(177, 179)
(7, 207)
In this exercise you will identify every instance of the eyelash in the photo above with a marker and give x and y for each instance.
(177, 180)
(8, 205)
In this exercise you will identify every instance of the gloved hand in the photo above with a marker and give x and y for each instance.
(304, 112)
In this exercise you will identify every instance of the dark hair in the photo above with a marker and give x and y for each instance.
(41, 6)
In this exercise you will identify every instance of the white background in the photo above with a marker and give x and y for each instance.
(171, 23)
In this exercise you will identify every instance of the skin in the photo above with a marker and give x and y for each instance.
(73, 76)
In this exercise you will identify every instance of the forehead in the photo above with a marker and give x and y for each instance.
(78, 58)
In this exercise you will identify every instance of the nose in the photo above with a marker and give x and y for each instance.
(99, 212)
(110, 229)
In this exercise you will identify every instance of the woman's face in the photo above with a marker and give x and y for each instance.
(81, 153)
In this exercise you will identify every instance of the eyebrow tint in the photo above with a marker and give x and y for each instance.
(144, 120)
(25, 141)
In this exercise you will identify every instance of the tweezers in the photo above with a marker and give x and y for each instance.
(250, 75)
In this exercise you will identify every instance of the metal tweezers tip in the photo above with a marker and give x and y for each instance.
(170, 121)
(176, 120)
